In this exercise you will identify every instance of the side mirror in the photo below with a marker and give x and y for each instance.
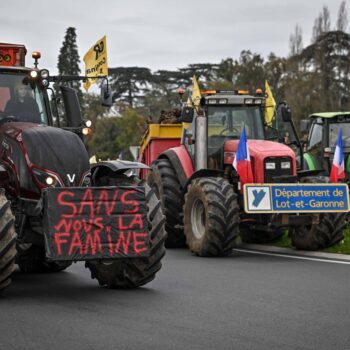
(305, 126)
(187, 114)
(286, 113)
(106, 96)
(71, 106)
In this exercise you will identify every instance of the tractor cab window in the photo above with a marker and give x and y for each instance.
(21, 101)
(333, 134)
(315, 143)
(226, 123)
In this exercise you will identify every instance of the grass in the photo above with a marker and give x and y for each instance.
(342, 247)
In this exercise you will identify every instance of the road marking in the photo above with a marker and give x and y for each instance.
(292, 256)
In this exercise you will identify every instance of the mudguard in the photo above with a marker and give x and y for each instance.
(181, 162)
(115, 166)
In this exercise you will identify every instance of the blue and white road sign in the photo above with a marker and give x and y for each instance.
(295, 198)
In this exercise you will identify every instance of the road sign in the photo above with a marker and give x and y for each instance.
(295, 198)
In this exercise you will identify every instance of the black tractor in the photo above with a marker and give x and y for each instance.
(55, 208)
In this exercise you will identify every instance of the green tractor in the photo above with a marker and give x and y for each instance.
(322, 130)
(314, 156)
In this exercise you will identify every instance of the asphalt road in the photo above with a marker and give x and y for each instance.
(240, 302)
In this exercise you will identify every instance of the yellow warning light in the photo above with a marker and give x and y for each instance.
(243, 92)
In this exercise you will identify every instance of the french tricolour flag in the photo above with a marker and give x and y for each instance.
(241, 162)
(337, 170)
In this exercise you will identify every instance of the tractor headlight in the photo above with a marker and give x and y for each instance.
(86, 181)
(86, 131)
(33, 74)
(45, 82)
(50, 180)
(285, 165)
(88, 123)
(44, 73)
(248, 101)
(270, 166)
(46, 179)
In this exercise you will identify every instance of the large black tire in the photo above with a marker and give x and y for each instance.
(165, 183)
(211, 217)
(7, 242)
(325, 232)
(133, 272)
(31, 258)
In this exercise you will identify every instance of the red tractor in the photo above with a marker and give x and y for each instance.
(54, 208)
(200, 190)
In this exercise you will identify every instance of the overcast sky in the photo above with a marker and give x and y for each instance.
(160, 34)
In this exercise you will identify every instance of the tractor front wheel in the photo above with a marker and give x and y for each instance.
(211, 217)
(7, 242)
(133, 272)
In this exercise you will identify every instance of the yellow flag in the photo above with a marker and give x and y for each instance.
(270, 104)
(196, 93)
(96, 63)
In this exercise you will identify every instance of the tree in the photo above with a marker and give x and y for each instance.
(132, 126)
(163, 93)
(114, 135)
(322, 24)
(68, 59)
(275, 74)
(296, 41)
(342, 21)
(130, 84)
(319, 78)
(249, 71)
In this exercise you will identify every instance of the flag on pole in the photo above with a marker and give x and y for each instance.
(194, 98)
(337, 170)
(270, 104)
(196, 93)
(96, 63)
(241, 162)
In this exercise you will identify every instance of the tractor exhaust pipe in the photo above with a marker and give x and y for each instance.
(201, 143)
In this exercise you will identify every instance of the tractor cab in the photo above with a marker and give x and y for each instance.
(213, 136)
(22, 97)
(24, 93)
(322, 138)
(226, 112)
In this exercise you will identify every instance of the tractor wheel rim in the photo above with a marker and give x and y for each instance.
(198, 219)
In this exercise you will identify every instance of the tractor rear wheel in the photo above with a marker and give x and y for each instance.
(328, 231)
(325, 232)
(211, 217)
(167, 188)
(133, 272)
(31, 258)
(7, 242)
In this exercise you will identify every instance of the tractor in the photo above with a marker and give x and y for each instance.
(322, 130)
(56, 209)
(202, 198)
